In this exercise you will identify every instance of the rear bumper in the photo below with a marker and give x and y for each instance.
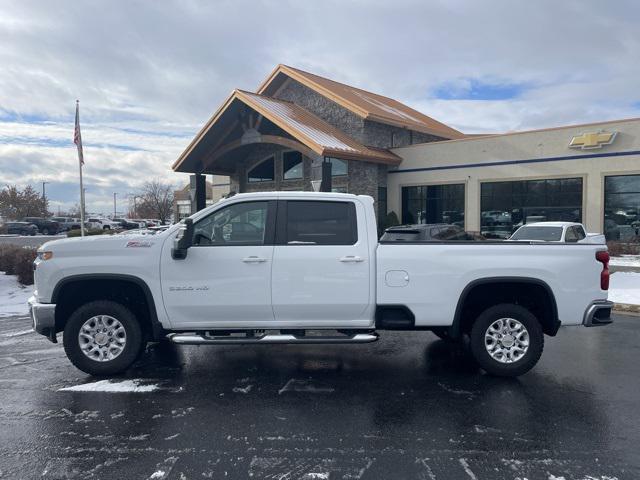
(43, 318)
(598, 314)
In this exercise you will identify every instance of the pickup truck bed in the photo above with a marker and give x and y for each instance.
(273, 267)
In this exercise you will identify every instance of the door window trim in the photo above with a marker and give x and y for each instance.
(281, 224)
(269, 227)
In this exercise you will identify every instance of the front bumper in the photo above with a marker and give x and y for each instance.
(43, 318)
(598, 314)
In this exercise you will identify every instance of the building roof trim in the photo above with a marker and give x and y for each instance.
(313, 132)
(484, 136)
(365, 104)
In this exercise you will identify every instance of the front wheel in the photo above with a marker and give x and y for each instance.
(507, 340)
(102, 338)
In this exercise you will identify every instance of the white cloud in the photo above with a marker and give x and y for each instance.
(149, 74)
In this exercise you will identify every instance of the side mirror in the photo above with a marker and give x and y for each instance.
(182, 243)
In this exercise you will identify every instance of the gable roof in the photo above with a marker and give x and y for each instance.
(313, 132)
(367, 105)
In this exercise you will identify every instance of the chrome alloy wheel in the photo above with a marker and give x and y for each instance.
(506, 340)
(102, 338)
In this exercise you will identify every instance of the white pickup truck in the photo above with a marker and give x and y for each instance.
(294, 267)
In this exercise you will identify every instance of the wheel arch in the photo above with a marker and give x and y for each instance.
(515, 289)
(88, 285)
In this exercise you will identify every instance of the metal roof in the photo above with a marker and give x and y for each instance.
(367, 105)
(312, 131)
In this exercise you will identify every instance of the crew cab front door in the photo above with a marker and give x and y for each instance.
(225, 280)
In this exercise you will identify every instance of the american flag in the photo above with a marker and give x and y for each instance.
(77, 138)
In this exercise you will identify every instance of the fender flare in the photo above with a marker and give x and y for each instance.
(156, 326)
(456, 326)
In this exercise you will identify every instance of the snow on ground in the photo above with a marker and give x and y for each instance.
(625, 261)
(13, 296)
(113, 386)
(624, 287)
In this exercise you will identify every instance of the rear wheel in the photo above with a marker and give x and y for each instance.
(507, 340)
(102, 338)
(45, 231)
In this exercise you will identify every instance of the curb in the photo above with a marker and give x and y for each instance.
(626, 308)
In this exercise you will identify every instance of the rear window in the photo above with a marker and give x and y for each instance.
(545, 234)
(321, 223)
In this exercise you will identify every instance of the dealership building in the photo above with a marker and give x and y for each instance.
(300, 131)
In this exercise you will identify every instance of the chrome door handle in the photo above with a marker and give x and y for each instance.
(352, 259)
(254, 259)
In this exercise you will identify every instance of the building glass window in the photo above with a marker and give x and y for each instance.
(291, 165)
(263, 172)
(505, 206)
(339, 167)
(433, 204)
(622, 207)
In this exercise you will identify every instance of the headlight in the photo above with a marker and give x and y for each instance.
(44, 255)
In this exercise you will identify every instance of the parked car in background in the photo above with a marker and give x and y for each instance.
(560, 232)
(46, 226)
(425, 233)
(141, 223)
(18, 228)
(126, 224)
(67, 223)
(103, 223)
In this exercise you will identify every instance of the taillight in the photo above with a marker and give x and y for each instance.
(603, 257)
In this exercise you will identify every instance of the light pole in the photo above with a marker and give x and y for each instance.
(44, 198)
(114, 205)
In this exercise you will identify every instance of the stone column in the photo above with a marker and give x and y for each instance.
(197, 192)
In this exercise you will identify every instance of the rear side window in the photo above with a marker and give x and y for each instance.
(320, 223)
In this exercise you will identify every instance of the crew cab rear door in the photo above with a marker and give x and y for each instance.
(321, 265)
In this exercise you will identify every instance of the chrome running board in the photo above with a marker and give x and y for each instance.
(201, 339)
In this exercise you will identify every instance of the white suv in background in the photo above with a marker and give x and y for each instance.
(559, 232)
(103, 223)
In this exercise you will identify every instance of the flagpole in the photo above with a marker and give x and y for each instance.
(80, 163)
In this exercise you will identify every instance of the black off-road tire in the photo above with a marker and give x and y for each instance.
(124, 360)
(493, 366)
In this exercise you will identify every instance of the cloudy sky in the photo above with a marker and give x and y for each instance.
(149, 73)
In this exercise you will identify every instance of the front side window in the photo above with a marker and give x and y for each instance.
(292, 165)
(263, 172)
(321, 223)
(238, 224)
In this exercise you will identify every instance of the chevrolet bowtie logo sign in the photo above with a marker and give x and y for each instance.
(588, 141)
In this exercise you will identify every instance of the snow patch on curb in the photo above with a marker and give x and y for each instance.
(13, 296)
(624, 288)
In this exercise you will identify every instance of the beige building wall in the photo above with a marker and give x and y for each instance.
(463, 154)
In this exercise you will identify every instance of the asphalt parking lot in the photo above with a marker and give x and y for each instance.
(407, 407)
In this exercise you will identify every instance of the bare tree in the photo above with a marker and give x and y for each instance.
(16, 204)
(156, 200)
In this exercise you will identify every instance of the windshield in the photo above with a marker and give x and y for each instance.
(546, 234)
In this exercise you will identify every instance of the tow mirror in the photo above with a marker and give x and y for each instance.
(182, 242)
